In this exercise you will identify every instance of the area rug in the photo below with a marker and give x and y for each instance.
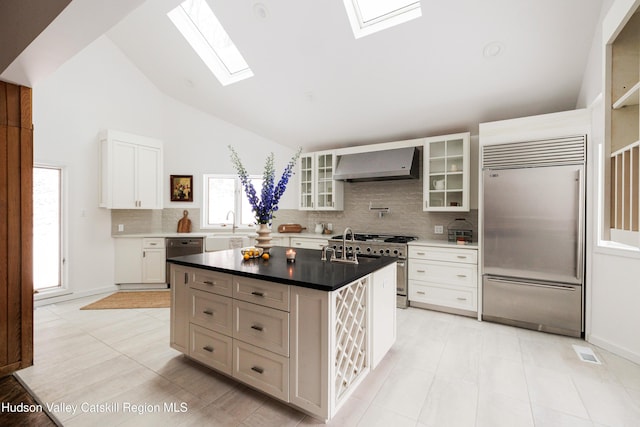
(137, 299)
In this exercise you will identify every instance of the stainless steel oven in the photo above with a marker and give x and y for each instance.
(381, 245)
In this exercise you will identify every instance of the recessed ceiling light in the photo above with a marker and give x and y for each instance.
(493, 50)
(260, 11)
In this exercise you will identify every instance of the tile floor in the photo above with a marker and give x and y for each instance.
(444, 370)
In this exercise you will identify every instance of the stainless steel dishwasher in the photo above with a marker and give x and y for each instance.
(179, 246)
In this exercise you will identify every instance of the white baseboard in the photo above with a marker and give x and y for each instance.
(68, 295)
(141, 286)
(613, 348)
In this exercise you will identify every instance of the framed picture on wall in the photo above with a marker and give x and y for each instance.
(182, 188)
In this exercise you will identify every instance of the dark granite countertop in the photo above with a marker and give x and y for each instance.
(307, 271)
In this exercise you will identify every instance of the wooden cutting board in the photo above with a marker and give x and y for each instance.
(290, 228)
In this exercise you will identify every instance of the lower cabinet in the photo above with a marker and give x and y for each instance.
(140, 260)
(443, 278)
(308, 242)
(306, 347)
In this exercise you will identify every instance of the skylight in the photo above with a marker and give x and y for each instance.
(199, 25)
(370, 16)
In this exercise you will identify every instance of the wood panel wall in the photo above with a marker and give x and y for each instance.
(16, 228)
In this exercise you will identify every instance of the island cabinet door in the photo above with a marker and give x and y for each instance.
(179, 333)
(383, 304)
(310, 354)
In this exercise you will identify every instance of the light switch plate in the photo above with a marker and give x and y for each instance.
(438, 229)
(120, 227)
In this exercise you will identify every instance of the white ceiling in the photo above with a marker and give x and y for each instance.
(315, 85)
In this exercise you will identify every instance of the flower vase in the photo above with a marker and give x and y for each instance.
(264, 237)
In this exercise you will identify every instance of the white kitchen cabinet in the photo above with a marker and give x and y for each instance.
(446, 177)
(154, 260)
(179, 338)
(318, 190)
(306, 347)
(130, 171)
(309, 242)
(444, 279)
(140, 260)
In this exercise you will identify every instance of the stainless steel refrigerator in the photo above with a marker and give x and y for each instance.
(533, 234)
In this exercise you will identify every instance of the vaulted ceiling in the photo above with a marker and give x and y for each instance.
(317, 86)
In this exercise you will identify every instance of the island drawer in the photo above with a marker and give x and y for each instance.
(261, 326)
(269, 294)
(153, 243)
(212, 311)
(444, 295)
(469, 256)
(444, 273)
(212, 281)
(261, 369)
(211, 348)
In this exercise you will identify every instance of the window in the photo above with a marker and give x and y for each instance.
(47, 228)
(199, 25)
(369, 16)
(224, 194)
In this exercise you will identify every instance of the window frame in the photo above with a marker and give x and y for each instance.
(239, 197)
(62, 287)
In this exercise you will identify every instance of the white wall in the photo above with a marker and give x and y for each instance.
(99, 89)
(613, 289)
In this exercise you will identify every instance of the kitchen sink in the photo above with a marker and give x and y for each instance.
(221, 242)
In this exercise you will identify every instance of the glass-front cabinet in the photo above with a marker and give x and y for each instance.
(446, 173)
(318, 189)
(306, 181)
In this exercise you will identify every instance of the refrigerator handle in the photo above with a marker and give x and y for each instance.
(580, 239)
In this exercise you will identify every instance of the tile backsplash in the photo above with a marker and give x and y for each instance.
(403, 198)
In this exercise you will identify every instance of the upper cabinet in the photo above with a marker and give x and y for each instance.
(446, 173)
(130, 171)
(318, 189)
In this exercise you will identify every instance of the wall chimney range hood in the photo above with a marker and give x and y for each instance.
(399, 163)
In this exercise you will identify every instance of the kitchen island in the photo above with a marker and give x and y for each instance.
(306, 332)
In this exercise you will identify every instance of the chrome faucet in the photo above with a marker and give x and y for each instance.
(344, 246)
(326, 249)
(233, 227)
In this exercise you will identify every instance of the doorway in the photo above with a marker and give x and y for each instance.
(48, 259)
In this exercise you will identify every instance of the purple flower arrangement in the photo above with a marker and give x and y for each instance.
(267, 204)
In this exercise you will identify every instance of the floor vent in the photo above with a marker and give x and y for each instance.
(586, 354)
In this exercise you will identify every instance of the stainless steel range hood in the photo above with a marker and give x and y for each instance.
(399, 163)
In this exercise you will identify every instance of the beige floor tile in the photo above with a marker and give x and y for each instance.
(404, 392)
(273, 414)
(348, 415)
(503, 376)
(555, 390)
(608, 403)
(498, 410)
(377, 416)
(545, 417)
(450, 403)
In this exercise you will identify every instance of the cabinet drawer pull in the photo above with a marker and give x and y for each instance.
(462, 275)
(461, 299)
(462, 256)
(257, 293)
(208, 312)
(421, 271)
(421, 253)
(421, 292)
(208, 348)
(257, 327)
(186, 278)
(257, 369)
(208, 282)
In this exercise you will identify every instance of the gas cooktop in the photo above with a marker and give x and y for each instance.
(373, 238)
